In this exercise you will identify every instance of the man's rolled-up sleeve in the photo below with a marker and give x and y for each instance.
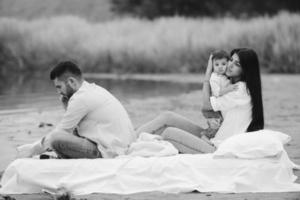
(75, 112)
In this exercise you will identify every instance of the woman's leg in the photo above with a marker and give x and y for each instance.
(170, 119)
(186, 142)
(70, 146)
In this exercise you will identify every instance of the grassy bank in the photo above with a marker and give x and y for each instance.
(134, 45)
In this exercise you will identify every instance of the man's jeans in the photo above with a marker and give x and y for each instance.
(71, 146)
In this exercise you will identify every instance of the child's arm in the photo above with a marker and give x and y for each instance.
(215, 86)
(227, 89)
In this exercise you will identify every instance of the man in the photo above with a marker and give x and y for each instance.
(94, 125)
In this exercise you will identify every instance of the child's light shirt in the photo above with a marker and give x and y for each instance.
(217, 82)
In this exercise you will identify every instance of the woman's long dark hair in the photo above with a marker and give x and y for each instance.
(251, 75)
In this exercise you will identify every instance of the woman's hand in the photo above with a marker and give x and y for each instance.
(206, 87)
(209, 68)
(210, 63)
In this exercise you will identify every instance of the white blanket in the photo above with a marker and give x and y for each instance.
(173, 174)
(148, 145)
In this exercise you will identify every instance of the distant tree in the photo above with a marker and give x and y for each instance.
(193, 8)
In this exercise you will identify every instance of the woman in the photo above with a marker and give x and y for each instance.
(241, 109)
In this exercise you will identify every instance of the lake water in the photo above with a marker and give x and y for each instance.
(24, 94)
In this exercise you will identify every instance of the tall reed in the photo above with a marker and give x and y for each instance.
(132, 45)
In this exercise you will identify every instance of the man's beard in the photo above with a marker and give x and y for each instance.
(69, 91)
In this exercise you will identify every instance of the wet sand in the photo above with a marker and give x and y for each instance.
(281, 95)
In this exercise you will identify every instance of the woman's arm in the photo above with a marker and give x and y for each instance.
(227, 89)
(206, 87)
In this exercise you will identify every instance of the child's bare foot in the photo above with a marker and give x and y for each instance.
(206, 139)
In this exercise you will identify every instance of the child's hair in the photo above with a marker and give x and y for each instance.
(219, 54)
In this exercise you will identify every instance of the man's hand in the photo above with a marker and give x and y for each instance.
(25, 151)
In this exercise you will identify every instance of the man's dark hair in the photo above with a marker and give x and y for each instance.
(220, 54)
(64, 68)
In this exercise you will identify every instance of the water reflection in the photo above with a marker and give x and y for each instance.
(27, 92)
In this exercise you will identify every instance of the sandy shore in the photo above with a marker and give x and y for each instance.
(282, 112)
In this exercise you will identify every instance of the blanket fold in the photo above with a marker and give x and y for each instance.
(173, 174)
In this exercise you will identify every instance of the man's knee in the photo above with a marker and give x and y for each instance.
(57, 138)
